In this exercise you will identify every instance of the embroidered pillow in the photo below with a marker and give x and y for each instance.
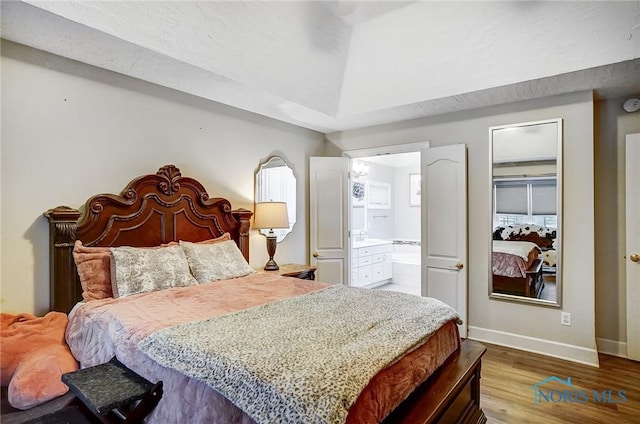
(94, 268)
(217, 261)
(138, 270)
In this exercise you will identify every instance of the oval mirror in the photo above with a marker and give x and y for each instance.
(526, 180)
(275, 182)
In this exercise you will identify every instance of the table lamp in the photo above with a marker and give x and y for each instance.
(270, 215)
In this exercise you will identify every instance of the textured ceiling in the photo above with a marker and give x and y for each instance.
(339, 65)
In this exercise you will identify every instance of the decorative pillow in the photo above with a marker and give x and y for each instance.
(94, 269)
(218, 261)
(224, 237)
(137, 270)
(542, 236)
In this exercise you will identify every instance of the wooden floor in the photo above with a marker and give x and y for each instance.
(507, 393)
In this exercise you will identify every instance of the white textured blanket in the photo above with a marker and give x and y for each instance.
(304, 359)
(518, 248)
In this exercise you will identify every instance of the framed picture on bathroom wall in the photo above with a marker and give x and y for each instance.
(414, 189)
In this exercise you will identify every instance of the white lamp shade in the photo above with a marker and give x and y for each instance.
(271, 215)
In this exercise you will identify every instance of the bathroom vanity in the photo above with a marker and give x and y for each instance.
(371, 262)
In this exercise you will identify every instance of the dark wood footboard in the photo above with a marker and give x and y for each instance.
(451, 395)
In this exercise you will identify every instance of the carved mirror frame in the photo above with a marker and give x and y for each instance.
(286, 192)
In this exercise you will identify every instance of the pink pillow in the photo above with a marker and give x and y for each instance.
(224, 237)
(94, 269)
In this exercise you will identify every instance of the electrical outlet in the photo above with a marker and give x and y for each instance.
(565, 318)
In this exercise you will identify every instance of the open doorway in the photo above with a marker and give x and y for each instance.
(386, 222)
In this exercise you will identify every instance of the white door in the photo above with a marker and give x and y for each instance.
(444, 227)
(632, 180)
(329, 218)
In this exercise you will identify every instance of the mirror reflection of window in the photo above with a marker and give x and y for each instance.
(525, 201)
(275, 182)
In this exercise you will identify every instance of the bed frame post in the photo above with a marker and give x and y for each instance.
(244, 217)
(62, 235)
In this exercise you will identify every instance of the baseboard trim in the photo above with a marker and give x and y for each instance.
(559, 350)
(612, 347)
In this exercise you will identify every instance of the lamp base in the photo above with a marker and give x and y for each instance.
(271, 265)
(271, 250)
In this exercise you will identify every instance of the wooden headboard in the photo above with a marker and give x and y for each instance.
(151, 210)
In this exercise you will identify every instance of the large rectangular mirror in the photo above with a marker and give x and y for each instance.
(526, 181)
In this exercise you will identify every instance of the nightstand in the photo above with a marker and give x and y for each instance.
(304, 272)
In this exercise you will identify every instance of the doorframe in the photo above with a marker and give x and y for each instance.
(387, 150)
(632, 148)
(375, 151)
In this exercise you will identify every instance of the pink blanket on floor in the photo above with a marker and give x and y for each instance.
(25, 333)
(33, 357)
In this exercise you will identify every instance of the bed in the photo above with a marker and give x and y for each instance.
(437, 380)
(529, 283)
(516, 268)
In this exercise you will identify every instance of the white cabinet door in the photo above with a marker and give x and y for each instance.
(444, 226)
(365, 275)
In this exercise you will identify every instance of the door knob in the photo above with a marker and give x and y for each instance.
(459, 265)
(635, 257)
(315, 254)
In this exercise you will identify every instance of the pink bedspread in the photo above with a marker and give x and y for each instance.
(513, 258)
(508, 265)
(101, 329)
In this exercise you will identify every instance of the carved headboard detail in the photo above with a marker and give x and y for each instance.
(151, 210)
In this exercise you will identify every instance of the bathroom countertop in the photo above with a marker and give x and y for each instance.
(370, 242)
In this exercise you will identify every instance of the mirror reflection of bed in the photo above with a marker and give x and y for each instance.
(523, 261)
(526, 166)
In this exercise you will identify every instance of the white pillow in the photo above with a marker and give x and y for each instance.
(218, 261)
(137, 270)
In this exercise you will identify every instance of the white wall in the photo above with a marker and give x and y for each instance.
(406, 217)
(521, 325)
(70, 130)
(380, 221)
